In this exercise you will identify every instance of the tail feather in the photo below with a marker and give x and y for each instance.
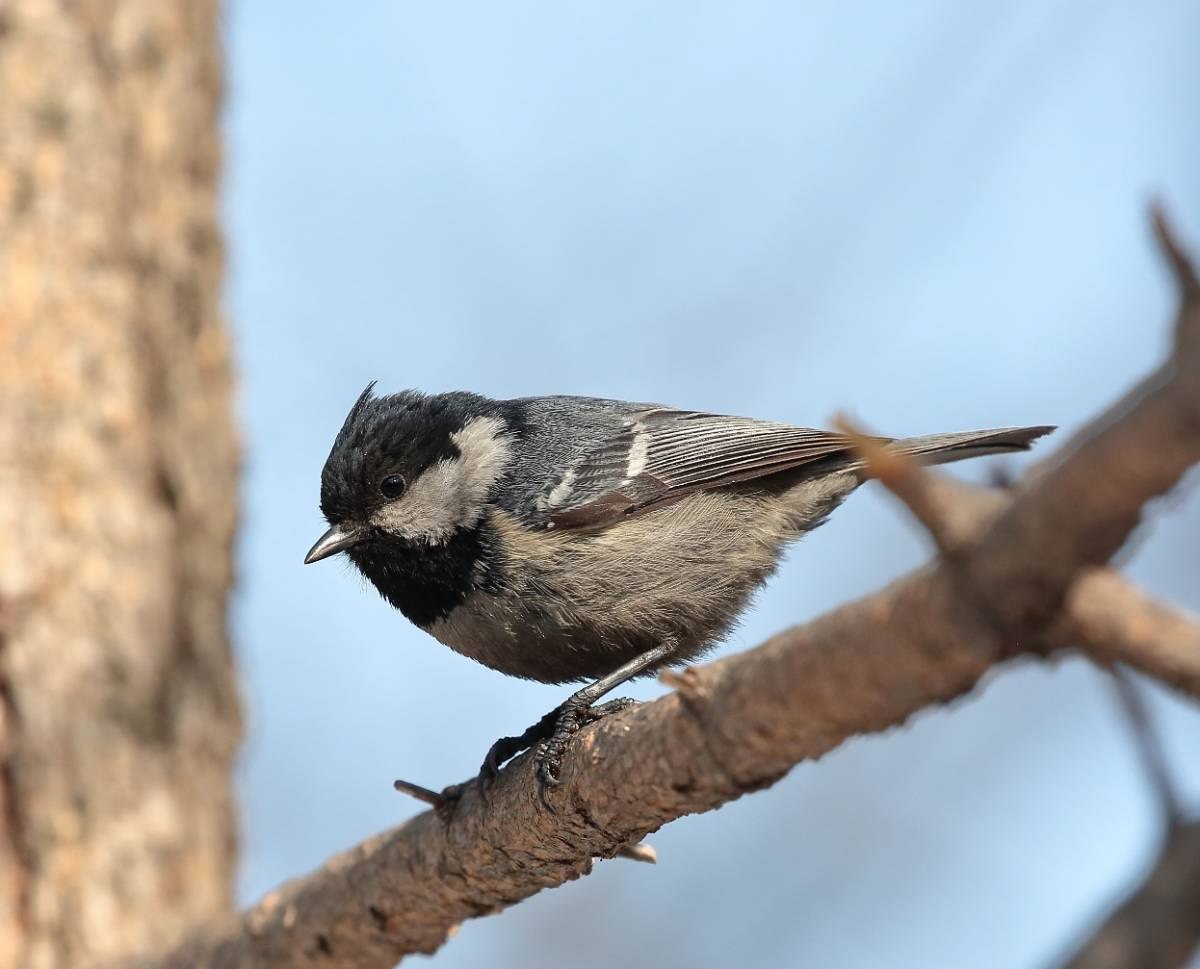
(944, 448)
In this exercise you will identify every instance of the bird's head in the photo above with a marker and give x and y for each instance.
(410, 468)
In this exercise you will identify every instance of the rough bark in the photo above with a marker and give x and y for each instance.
(118, 715)
(1018, 574)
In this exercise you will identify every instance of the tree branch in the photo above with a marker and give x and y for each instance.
(1025, 577)
(1112, 621)
(1103, 615)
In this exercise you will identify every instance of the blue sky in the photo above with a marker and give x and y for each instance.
(929, 215)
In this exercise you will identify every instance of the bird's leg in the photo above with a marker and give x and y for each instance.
(556, 728)
(577, 711)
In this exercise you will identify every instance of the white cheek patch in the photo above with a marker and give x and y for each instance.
(452, 493)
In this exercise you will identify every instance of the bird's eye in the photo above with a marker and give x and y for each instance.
(392, 486)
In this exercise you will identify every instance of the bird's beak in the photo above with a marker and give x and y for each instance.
(337, 539)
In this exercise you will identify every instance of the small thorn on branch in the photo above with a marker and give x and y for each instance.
(442, 802)
(430, 797)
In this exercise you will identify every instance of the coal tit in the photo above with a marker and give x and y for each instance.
(572, 538)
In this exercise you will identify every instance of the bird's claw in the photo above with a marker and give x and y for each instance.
(501, 751)
(549, 751)
(572, 717)
(507, 748)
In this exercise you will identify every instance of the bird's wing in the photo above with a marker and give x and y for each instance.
(659, 455)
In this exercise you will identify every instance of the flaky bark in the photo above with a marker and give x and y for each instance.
(1020, 573)
(118, 717)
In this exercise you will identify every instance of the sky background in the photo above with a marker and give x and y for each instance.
(928, 214)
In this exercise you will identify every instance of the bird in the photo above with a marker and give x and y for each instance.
(568, 539)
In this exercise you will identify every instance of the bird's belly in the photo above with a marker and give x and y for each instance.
(576, 606)
(533, 642)
(540, 640)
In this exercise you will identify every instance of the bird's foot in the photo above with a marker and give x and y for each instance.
(506, 748)
(550, 735)
(571, 718)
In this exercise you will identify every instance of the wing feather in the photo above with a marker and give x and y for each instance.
(661, 455)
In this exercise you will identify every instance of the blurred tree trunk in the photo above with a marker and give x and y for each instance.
(118, 712)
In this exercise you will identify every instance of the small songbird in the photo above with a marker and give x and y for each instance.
(562, 539)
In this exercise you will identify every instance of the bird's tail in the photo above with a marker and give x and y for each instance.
(944, 448)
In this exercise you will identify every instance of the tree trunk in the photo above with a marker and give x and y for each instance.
(118, 711)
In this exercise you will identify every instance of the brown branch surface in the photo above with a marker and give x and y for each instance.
(1103, 614)
(1111, 620)
(1027, 576)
